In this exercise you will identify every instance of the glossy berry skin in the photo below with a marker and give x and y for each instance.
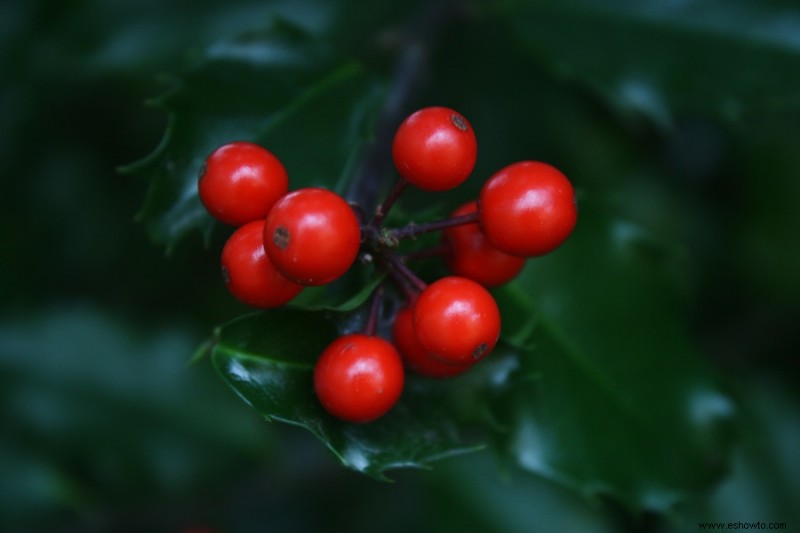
(359, 378)
(527, 209)
(248, 272)
(472, 256)
(415, 357)
(240, 182)
(435, 149)
(457, 320)
(312, 236)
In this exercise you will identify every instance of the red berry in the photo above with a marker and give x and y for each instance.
(312, 236)
(472, 256)
(435, 149)
(414, 355)
(457, 320)
(359, 378)
(240, 182)
(248, 272)
(527, 209)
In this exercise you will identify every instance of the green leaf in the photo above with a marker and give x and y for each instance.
(278, 88)
(268, 358)
(656, 59)
(99, 413)
(765, 254)
(610, 396)
(346, 294)
(764, 480)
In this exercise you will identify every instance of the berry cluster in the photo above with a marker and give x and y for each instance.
(286, 241)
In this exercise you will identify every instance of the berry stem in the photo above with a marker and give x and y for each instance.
(412, 230)
(409, 292)
(399, 268)
(383, 208)
(371, 327)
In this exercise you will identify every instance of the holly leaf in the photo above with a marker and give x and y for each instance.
(278, 88)
(268, 359)
(610, 397)
(94, 408)
(655, 59)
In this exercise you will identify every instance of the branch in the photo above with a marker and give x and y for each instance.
(417, 41)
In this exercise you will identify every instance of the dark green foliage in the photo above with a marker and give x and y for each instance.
(648, 366)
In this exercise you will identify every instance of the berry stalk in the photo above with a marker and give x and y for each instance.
(399, 270)
(416, 40)
(412, 230)
(383, 208)
(371, 327)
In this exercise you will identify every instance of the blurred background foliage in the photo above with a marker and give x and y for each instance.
(686, 113)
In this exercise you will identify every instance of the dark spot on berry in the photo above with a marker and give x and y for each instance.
(459, 122)
(225, 276)
(281, 237)
(480, 351)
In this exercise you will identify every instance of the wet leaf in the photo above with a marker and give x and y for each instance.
(657, 59)
(268, 358)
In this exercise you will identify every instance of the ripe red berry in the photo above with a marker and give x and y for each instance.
(457, 320)
(248, 272)
(414, 355)
(435, 149)
(472, 256)
(240, 182)
(359, 378)
(527, 209)
(312, 236)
